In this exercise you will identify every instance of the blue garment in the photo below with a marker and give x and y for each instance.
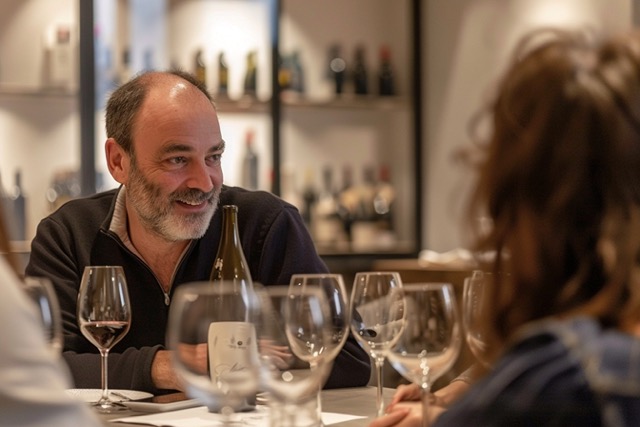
(557, 373)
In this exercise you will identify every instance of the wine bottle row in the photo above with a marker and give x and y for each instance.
(350, 217)
(347, 77)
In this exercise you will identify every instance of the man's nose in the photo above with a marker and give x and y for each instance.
(200, 177)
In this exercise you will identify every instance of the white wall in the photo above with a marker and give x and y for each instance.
(467, 44)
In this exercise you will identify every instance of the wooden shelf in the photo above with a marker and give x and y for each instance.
(347, 102)
(242, 105)
(36, 91)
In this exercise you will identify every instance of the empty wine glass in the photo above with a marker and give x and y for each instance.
(474, 301)
(292, 385)
(212, 332)
(40, 290)
(104, 317)
(377, 318)
(430, 342)
(337, 303)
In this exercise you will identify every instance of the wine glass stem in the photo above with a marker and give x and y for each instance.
(104, 375)
(424, 397)
(314, 367)
(379, 398)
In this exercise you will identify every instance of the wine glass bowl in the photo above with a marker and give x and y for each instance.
(430, 342)
(104, 318)
(337, 303)
(40, 290)
(474, 303)
(377, 318)
(212, 332)
(286, 350)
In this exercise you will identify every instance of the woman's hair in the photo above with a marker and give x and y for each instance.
(560, 182)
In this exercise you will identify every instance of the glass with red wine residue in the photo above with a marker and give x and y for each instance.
(104, 317)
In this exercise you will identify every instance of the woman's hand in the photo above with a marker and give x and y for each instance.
(406, 414)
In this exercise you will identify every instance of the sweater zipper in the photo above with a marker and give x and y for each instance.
(167, 297)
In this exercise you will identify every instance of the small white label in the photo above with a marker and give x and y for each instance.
(232, 349)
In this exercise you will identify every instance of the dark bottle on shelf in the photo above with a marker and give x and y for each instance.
(250, 163)
(327, 224)
(386, 84)
(360, 78)
(200, 68)
(19, 231)
(337, 68)
(251, 74)
(383, 201)
(223, 75)
(297, 73)
(230, 263)
(309, 198)
(347, 202)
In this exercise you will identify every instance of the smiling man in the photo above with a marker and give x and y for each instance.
(163, 226)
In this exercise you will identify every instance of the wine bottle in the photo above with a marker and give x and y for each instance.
(19, 209)
(297, 73)
(337, 68)
(386, 85)
(384, 200)
(223, 75)
(360, 83)
(250, 163)
(327, 226)
(200, 67)
(251, 75)
(230, 263)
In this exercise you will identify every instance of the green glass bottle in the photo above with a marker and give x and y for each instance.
(230, 263)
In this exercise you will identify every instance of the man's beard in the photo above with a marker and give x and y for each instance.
(156, 210)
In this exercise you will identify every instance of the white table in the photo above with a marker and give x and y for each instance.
(354, 401)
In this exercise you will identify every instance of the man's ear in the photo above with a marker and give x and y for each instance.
(118, 161)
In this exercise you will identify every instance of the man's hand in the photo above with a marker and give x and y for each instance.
(164, 376)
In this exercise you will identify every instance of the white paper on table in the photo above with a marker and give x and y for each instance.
(201, 417)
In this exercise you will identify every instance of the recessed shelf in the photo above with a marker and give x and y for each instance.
(36, 91)
(347, 102)
(242, 105)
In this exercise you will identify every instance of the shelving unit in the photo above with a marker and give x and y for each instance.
(293, 132)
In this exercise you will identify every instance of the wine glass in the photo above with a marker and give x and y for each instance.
(104, 317)
(474, 301)
(292, 384)
(332, 286)
(212, 332)
(40, 290)
(430, 342)
(377, 318)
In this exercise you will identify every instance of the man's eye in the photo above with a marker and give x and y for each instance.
(178, 160)
(215, 158)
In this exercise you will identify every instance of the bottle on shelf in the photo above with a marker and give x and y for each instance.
(61, 58)
(360, 77)
(284, 73)
(364, 227)
(250, 77)
(125, 66)
(328, 231)
(297, 73)
(250, 163)
(230, 263)
(386, 84)
(13, 205)
(309, 198)
(383, 204)
(347, 202)
(200, 68)
(337, 68)
(223, 76)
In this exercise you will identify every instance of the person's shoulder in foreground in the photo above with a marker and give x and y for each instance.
(557, 373)
(32, 390)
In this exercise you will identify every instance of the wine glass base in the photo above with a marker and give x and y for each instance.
(108, 406)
